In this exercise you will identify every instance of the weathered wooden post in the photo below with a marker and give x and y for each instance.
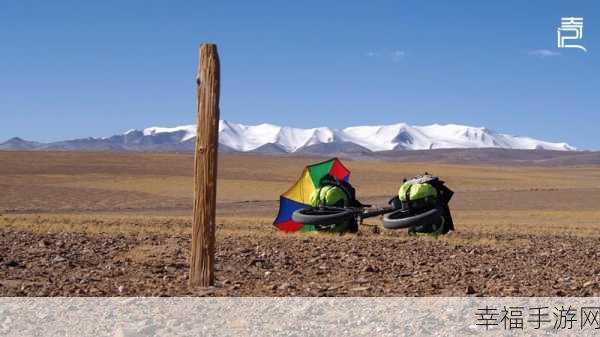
(205, 168)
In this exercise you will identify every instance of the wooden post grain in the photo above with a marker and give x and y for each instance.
(205, 168)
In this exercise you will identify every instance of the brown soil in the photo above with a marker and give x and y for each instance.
(98, 224)
(75, 264)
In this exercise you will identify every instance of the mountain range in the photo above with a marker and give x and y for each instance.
(273, 139)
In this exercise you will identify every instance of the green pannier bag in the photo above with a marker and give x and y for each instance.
(415, 191)
(328, 196)
(332, 196)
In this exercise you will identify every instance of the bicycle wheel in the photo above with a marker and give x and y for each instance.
(322, 215)
(402, 219)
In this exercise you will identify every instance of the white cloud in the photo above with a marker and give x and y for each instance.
(394, 55)
(543, 53)
(397, 55)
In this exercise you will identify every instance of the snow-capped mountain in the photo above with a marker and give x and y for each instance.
(268, 138)
(400, 136)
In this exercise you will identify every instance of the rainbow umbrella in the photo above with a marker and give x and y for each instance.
(298, 196)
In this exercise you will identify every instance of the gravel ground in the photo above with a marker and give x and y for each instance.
(274, 264)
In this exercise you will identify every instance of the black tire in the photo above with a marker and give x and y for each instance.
(401, 219)
(322, 215)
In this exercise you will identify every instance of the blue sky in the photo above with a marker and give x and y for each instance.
(79, 68)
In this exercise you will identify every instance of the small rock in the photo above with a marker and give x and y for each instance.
(120, 289)
(256, 262)
(12, 263)
(58, 259)
(126, 332)
(361, 280)
(359, 289)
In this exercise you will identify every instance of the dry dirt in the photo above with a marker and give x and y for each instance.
(101, 224)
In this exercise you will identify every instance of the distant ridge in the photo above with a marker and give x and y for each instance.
(273, 139)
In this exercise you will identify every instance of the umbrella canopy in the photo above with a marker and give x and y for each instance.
(298, 196)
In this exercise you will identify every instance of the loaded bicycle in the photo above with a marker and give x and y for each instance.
(329, 203)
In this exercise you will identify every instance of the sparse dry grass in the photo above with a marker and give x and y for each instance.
(96, 224)
(543, 222)
(101, 193)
